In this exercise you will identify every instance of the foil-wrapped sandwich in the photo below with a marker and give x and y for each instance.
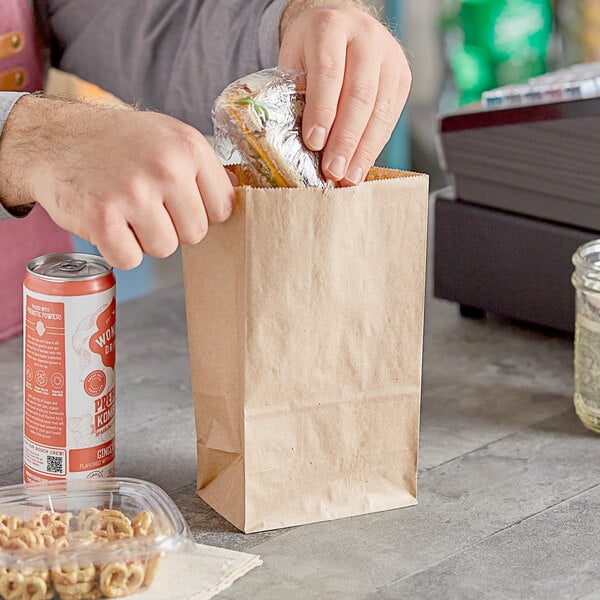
(258, 125)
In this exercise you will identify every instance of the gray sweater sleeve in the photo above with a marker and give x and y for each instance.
(7, 101)
(170, 55)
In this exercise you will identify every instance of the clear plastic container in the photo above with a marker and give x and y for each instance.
(84, 540)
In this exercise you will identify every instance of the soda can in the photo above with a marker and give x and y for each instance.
(69, 318)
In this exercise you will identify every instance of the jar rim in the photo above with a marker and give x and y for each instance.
(583, 254)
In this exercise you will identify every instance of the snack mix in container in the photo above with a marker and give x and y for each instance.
(85, 540)
(258, 125)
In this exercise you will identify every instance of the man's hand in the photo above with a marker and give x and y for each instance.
(358, 81)
(127, 181)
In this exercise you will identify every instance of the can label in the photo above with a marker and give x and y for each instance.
(69, 384)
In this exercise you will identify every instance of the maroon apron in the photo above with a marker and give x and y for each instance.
(21, 69)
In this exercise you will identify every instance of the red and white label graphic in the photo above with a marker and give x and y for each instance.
(45, 403)
(103, 341)
(89, 459)
(49, 461)
(95, 383)
(104, 412)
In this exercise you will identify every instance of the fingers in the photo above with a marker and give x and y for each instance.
(356, 103)
(391, 98)
(155, 231)
(375, 90)
(358, 81)
(197, 191)
(188, 215)
(185, 215)
(119, 246)
(324, 56)
(215, 187)
(154, 217)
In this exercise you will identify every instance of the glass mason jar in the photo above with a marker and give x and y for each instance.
(586, 280)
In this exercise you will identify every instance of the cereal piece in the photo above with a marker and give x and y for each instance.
(120, 579)
(12, 585)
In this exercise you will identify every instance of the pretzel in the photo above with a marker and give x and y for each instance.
(83, 537)
(12, 585)
(50, 523)
(60, 543)
(84, 516)
(94, 594)
(10, 522)
(73, 581)
(151, 568)
(120, 579)
(74, 589)
(46, 518)
(110, 524)
(40, 520)
(36, 588)
(142, 524)
(22, 538)
(30, 571)
(71, 575)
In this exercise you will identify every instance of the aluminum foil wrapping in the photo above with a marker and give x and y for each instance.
(258, 124)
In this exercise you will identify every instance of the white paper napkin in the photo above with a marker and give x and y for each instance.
(199, 574)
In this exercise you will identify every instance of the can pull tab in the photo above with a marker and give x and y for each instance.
(71, 266)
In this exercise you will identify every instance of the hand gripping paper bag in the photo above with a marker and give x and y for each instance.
(305, 324)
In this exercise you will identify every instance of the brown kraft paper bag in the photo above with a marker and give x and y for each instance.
(305, 325)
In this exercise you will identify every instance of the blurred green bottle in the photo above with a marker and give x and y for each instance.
(490, 43)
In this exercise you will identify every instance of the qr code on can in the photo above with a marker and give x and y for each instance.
(54, 464)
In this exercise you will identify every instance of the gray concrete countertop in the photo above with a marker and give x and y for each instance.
(509, 486)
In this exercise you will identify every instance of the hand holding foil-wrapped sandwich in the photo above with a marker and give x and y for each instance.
(258, 124)
(165, 185)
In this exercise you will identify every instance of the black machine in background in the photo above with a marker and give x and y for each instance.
(526, 195)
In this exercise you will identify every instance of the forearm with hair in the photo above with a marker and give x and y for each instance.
(296, 7)
(37, 121)
(13, 144)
